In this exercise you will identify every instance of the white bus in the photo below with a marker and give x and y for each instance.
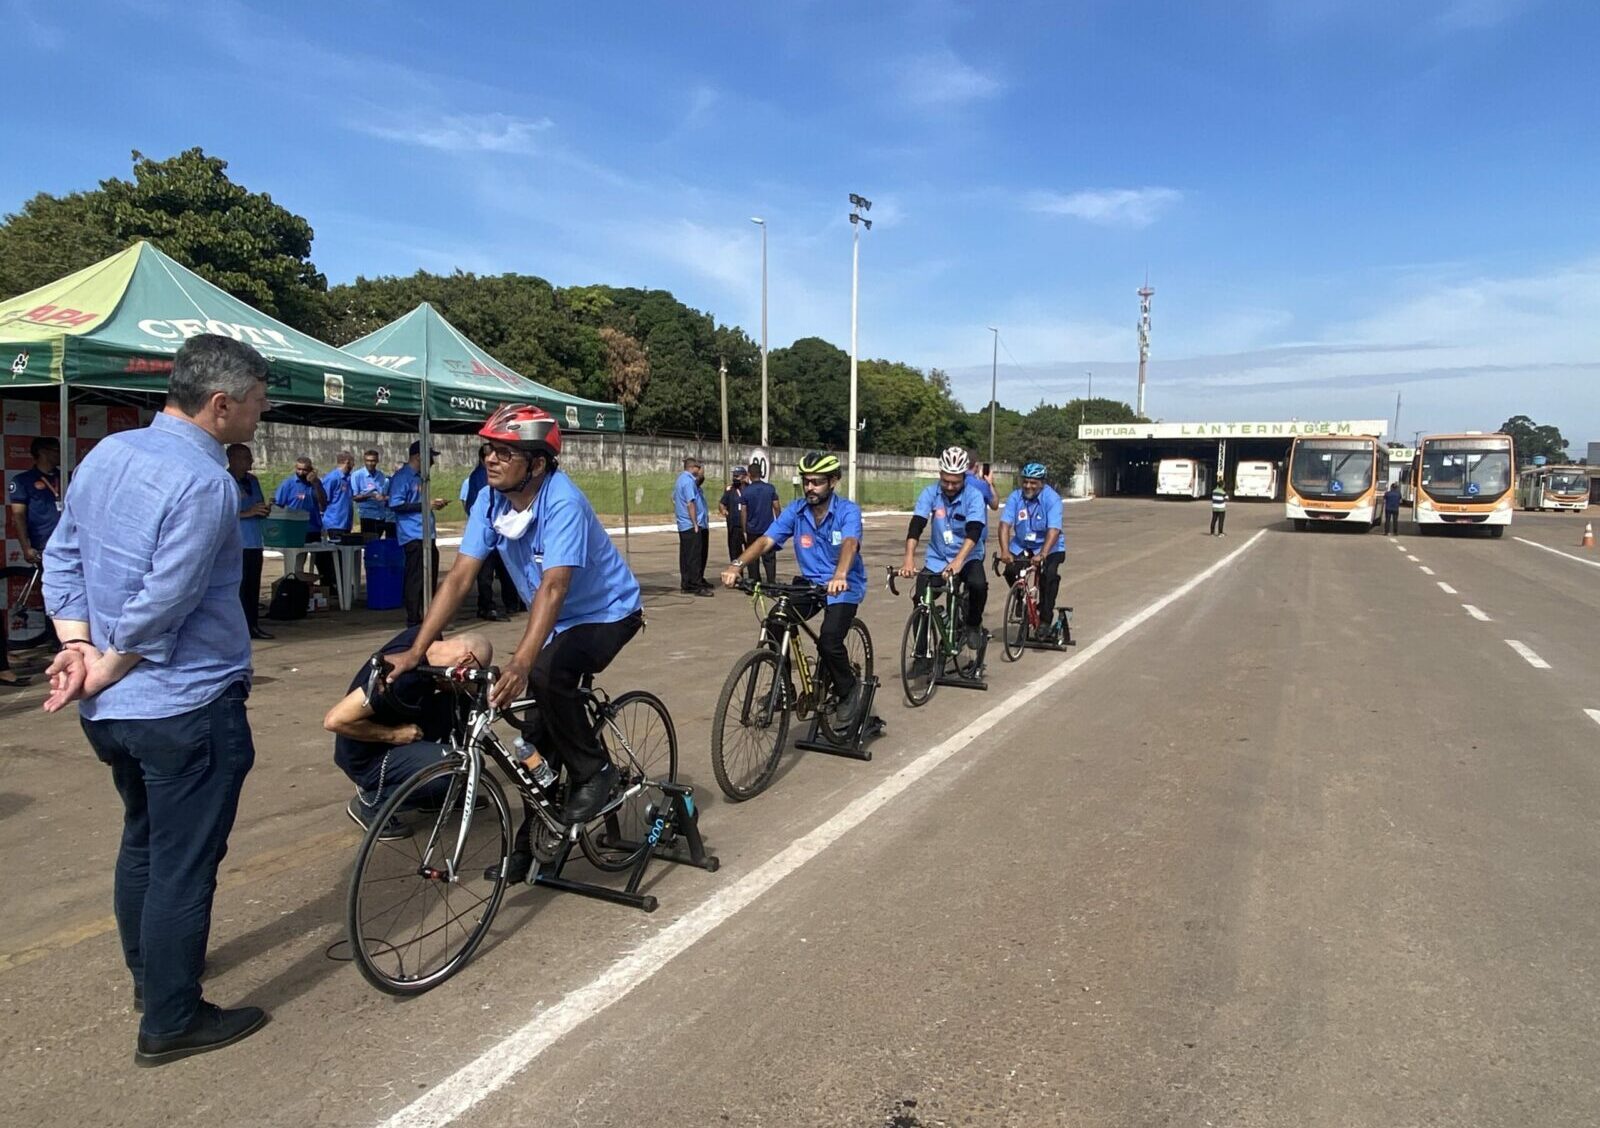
(1553, 487)
(1256, 479)
(1182, 477)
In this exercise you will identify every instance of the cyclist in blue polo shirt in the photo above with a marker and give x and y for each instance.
(827, 546)
(583, 601)
(958, 515)
(1031, 526)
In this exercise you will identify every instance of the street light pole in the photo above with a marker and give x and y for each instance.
(994, 388)
(856, 223)
(763, 225)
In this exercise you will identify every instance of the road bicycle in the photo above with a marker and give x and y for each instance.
(419, 907)
(1020, 624)
(777, 679)
(933, 643)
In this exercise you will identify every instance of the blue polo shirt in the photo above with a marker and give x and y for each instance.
(473, 484)
(564, 532)
(366, 481)
(41, 493)
(339, 513)
(685, 491)
(294, 494)
(817, 544)
(757, 501)
(947, 523)
(405, 488)
(982, 487)
(250, 527)
(1031, 521)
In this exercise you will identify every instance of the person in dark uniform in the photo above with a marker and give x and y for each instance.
(730, 508)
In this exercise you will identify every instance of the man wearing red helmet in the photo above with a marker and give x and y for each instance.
(583, 602)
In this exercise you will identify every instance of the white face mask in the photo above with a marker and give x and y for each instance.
(512, 525)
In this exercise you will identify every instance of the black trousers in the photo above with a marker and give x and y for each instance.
(1391, 522)
(250, 587)
(693, 547)
(1049, 581)
(494, 566)
(413, 578)
(977, 581)
(735, 540)
(836, 620)
(1219, 518)
(768, 561)
(564, 735)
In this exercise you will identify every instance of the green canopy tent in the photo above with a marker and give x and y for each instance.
(112, 329)
(461, 384)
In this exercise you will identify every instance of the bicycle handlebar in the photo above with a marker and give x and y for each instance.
(378, 667)
(755, 587)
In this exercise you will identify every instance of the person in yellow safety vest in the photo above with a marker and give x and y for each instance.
(1219, 509)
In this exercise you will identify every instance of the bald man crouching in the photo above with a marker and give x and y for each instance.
(405, 727)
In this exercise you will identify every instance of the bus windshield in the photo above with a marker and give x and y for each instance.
(1568, 482)
(1332, 469)
(1452, 473)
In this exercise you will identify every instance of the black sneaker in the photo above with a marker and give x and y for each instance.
(211, 1029)
(847, 708)
(588, 797)
(517, 866)
(393, 830)
(974, 638)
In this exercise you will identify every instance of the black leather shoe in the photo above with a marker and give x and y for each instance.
(589, 796)
(845, 712)
(494, 615)
(257, 632)
(517, 867)
(211, 1029)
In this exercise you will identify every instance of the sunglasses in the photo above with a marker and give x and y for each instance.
(503, 452)
(815, 481)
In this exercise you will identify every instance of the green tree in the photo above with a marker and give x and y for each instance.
(1533, 440)
(51, 237)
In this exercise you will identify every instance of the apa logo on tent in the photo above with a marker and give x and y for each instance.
(53, 315)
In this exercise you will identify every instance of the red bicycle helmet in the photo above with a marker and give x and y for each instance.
(527, 427)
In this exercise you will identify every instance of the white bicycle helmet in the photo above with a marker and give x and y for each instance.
(953, 460)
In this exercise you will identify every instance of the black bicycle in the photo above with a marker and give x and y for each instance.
(419, 907)
(776, 679)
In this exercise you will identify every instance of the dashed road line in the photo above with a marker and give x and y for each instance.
(1476, 614)
(1594, 715)
(1413, 559)
(1527, 653)
(1447, 589)
(1558, 552)
(1426, 571)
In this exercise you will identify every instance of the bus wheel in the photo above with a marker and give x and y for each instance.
(1497, 530)
(1301, 524)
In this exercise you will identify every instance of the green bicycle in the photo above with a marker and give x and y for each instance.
(933, 646)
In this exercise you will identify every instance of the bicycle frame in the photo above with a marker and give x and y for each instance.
(789, 648)
(949, 591)
(1028, 580)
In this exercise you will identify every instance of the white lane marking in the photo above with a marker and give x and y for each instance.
(1594, 715)
(1476, 614)
(1447, 589)
(500, 1063)
(1558, 552)
(1426, 571)
(1533, 659)
(1411, 558)
(1397, 543)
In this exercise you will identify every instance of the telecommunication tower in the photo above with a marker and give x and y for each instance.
(1145, 294)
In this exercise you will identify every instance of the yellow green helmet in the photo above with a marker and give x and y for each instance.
(819, 462)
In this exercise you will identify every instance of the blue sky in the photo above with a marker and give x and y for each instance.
(1335, 200)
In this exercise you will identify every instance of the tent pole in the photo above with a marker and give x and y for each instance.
(428, 531)
(627, 541)
(67, 461)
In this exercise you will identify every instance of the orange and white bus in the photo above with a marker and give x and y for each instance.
(1554, 487)
(1464, 481)
(1336, 479)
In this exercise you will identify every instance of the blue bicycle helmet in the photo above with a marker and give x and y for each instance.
(1035, 470)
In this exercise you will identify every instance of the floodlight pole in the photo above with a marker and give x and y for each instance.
(856, 223)
(994, 389)
(763, 225)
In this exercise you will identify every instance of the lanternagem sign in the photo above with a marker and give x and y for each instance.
(1279, 430)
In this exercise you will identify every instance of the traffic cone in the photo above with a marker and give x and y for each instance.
(1588, 536)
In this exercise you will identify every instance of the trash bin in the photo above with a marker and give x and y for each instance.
(386, 574)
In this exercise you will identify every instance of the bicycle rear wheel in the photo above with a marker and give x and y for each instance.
(1014, 627)
(858, 647)
(636, 732)
(919, 668)
(412, 925)
(749, 726)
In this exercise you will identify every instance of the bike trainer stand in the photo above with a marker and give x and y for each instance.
(969, 676)
(1064, 621)
(868, 726)
(681, 818)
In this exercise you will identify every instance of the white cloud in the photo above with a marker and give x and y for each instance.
(940, 80)
(1109, 207)
(1475, 15)
(461, 133)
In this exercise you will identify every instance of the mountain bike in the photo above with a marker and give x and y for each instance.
(419, 907)
(752, 716)
(934, 639)
(1020, 623)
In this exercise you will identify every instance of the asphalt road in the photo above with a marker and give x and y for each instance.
(1305, 842)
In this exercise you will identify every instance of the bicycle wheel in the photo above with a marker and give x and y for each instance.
(919, 668)
(636, 732)
(749, 726)
(1014, 627)
(858, 647)
(411, 925)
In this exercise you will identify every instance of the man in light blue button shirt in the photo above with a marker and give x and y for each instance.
(694, 527)
(142, 582)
